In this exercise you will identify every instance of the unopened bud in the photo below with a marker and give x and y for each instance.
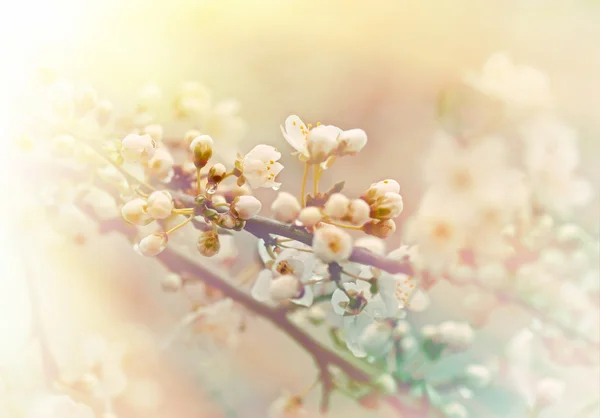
(245, 207)
(202, 148)
(381, 229)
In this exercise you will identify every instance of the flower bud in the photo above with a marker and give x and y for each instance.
(321, 141)
(172, 282)
(388, 206)
(245, 207)
(332, 244)
(136, 148)
(310, 216)
(337, 206)
(202, 148)
(286, 207)
(216, 173)
(208, 243)
(103, 112)
(351, 141)
(456, 334)
(135, 213)
(153, 244)
(161, 164)
(284, 287)
(381, 229)
(155, 131)
(160, 205)
(380, 188)
(477, 375)
(358, 212)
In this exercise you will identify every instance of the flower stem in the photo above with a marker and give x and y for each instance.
(198, 179)
(303, 190)
(316, 178)
(176, 227)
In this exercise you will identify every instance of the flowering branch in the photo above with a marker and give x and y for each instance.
(322, 356)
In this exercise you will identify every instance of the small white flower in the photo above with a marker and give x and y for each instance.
(153, 244)
(321, 142)
(245, 207)
(161, 164)
(208, 243)
(358, 212)
(380, 188)
(160, 205)
(261, 167)
(286, 207)
(284, 287)
(171, 282)
(388, 206)
(310, 216)
(202, 150)
(336, 206)
(351, 141)
(331, 244)
(549, 391)
(136, 148)
(135, 213)
(216, 174)
(59, 406)
(380, 228)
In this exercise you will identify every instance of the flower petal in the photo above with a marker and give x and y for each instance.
(260, 290)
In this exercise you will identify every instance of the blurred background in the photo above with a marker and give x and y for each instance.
(377, 65)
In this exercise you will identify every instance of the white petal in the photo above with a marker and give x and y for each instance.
(293, 132)
(260, 290)
(338, 297)
(306, 299)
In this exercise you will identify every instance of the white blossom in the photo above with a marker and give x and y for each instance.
(358, 212)
(245, 207)
(261, 167)
(336, 206)
(136, 148)
(285, 207)
(332, 244)
(135, 213)
(202, 150)
(351, 141)
(153, 244)
(455, 334)
(159, 205)
(321, 142)
(310, 216)
(380, 188)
